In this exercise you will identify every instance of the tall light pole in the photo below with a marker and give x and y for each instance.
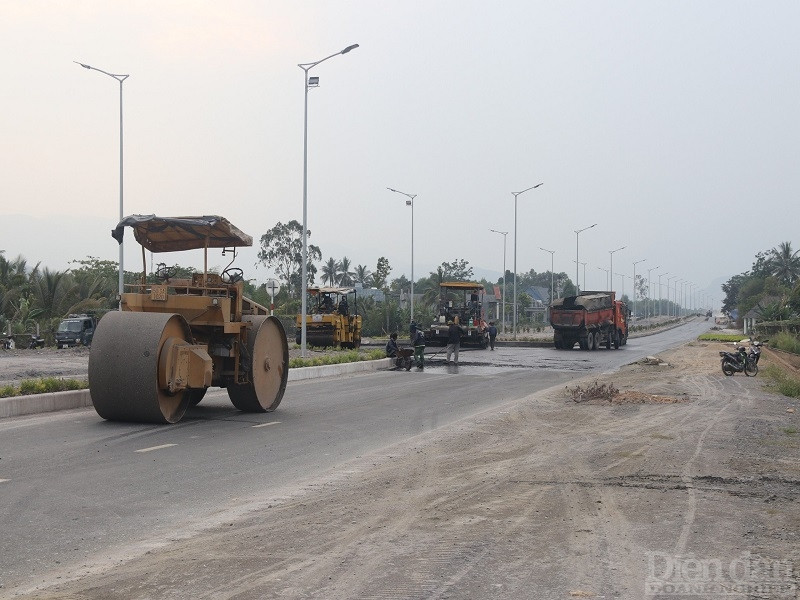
(634, 285)
(622, 279)
(409, 202)
(516, 194)
(659, 291)
(552, 275)
(607, 275)
(119, 77)
(669, 309)
(584, 273)
(647, 308)
(308, 83)
(578, 258)
(611, 266)
(505, 235)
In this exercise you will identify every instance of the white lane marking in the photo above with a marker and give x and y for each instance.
(266, 424)
(4, 480)
(156, 447)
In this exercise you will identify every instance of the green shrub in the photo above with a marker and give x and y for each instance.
(786, 342)
(44, 385)
(782, 382)
(714, 336)
(344, 356)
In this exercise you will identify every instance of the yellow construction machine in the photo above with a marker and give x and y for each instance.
(174, 339)
(332, 319)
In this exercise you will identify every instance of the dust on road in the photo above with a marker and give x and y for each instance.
(544, 498)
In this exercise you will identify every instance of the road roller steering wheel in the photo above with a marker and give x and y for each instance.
(232, 275)
(163, 272)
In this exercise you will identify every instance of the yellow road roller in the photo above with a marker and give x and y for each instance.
(333, 319)
(175, 338)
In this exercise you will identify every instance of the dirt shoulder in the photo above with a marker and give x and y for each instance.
(691, 484)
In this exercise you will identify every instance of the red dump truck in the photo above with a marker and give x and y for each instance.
(592, 319)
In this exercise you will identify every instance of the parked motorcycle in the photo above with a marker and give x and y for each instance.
(738, 362)
(755, 350)
(36, 342)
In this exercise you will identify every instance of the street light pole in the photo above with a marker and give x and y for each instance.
(578, 258)
(119, 77)
(611, 266)
(622, 279)
(409, 202)
(505, 235)
(649, 287)
(634, 285)
(659, 291)
(304, 268)
(552, 275)
(669, 309)
(607, 273)
(516, 194)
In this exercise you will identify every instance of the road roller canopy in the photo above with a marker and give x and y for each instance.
(331, 290)
(462, 285)
(171, 234)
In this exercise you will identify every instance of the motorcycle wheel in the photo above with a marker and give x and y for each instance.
(751, 369)
(726, 368)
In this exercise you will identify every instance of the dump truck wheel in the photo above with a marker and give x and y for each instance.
(123, 367)
(268, 370)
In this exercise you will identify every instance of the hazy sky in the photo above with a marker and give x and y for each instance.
(672, 125)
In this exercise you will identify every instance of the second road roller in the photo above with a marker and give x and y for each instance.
(173, 339)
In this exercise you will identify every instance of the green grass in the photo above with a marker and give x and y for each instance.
(44, 385)
(782, 382)
(786, 342)
(713, 336)
(345, 356)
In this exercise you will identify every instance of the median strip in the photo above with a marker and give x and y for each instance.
(156, 448)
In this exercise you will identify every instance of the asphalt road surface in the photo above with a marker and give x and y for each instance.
(77, 492)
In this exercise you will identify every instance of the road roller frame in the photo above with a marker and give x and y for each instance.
(174, 339)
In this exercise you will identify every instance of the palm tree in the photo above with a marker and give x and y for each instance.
(363, 275)
(330, 271)
(14, 284)
(54, 292)
(345, 274)
(784, 263)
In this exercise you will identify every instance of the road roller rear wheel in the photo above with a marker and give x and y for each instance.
(123, 367)
(268, 368)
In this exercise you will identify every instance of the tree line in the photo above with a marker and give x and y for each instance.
(34, 299)
(772, 286)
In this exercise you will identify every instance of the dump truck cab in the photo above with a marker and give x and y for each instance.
(460, 302)
(332, 319)
(176, 337)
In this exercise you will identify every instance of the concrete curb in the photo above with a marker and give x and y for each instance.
(42, 403)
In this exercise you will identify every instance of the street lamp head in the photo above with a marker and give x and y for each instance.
(81, 64)
(346, 50)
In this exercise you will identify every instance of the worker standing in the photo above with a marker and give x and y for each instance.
(418, 341)
(454, 332)
(492, 334)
